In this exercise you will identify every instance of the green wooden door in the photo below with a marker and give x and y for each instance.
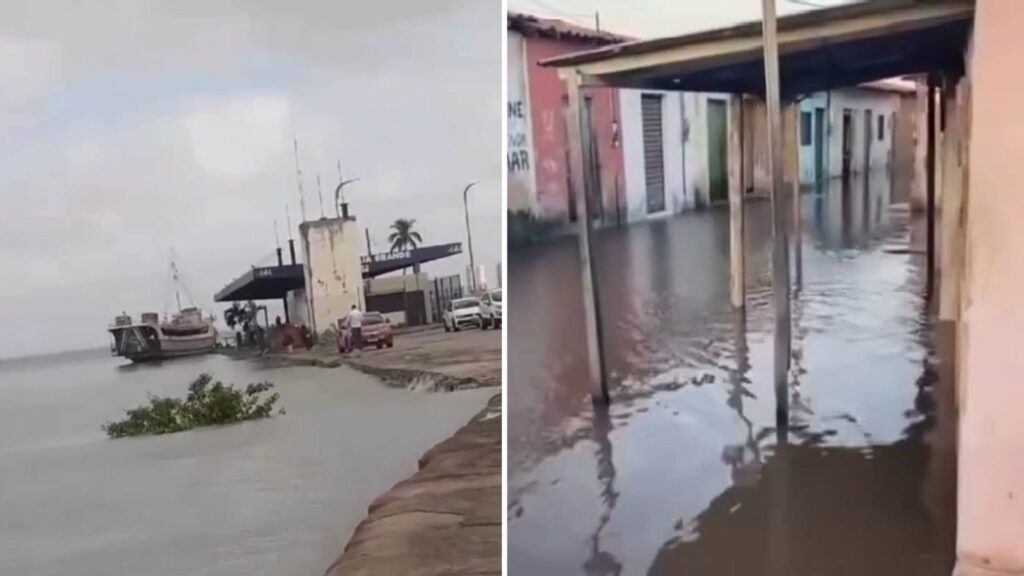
(718, 151)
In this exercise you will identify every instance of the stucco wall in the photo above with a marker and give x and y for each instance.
(520, 158)
(334, 274)
(991, 467)
(298, 312)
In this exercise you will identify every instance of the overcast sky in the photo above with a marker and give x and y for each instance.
(131, 128)
(650, 18)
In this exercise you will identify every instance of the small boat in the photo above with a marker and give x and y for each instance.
(186, 333)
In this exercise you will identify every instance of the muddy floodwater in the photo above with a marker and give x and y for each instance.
(686, 473)
(276, 496)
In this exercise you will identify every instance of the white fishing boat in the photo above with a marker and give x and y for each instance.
(185, 333)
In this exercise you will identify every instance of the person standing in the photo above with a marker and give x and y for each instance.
(355, 326)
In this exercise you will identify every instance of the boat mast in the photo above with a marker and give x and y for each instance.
(174, 276)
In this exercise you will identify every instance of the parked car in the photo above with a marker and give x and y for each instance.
(490, 309)
(462, 313)
(376, 332)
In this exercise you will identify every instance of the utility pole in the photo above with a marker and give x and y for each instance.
(469, 237)
(780, 248)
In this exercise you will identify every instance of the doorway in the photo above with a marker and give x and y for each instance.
(867, 140)
(819, 147)
(847, 142)
(718, 152)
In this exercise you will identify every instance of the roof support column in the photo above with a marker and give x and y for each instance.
(780, 250)
(737, 265)
(930, 176)
(791, 140)
(581, 177)
(951, 268)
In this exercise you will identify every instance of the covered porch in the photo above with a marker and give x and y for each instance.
(819, 50)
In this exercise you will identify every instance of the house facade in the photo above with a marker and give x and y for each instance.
(857, 130)
(537, 158)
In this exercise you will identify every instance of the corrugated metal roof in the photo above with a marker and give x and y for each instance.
(537, 26)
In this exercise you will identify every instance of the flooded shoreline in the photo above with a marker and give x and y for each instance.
(278, 496)
(686, 472)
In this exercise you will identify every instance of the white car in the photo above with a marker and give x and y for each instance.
(462, 313)
(490, 309)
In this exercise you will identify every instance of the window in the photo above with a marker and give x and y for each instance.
(881, 127)
(805, 128)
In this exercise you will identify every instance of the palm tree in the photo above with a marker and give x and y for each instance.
(403, 236)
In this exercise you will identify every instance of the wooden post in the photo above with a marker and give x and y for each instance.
(930, 175)
(737, 266)
(780, 250)
(918, 189)
(580, 174)
(791, 140)
(951, 268)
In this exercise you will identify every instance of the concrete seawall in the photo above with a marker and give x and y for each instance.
(445, 518)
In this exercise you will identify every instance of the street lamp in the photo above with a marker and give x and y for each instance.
(469, 237)
(337, 194)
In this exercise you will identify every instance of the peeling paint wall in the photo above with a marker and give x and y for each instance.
(334, 274)
(298, 312)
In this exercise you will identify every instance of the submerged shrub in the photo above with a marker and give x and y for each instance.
(209, 403)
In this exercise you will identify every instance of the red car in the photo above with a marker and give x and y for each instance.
(376, 332)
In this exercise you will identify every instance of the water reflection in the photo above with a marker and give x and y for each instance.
(701, 481)
(602, 563)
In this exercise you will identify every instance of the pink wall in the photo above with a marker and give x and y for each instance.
(547, 106)
(990, 535)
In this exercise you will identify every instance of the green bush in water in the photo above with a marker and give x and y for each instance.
(209, 403)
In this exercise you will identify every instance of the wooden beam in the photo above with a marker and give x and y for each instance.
(791, 140)
(711, 51)
(930, 176)
(919, 189)
(580, 175)
(780, 250)
(737, 266)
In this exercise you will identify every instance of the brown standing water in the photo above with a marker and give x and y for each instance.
(685, 474)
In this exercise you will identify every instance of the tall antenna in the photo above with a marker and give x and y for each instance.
(320, 194)
(298, 177)
(339, 170)
(288, 220)
(277, 237)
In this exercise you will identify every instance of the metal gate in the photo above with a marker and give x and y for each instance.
(446, 289)
(654, 155)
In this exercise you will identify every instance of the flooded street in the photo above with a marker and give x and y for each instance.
(278, 496)
(686, 473)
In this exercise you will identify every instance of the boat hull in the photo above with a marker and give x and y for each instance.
(147, 343)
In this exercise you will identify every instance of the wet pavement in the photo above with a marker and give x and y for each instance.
(686, 473)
